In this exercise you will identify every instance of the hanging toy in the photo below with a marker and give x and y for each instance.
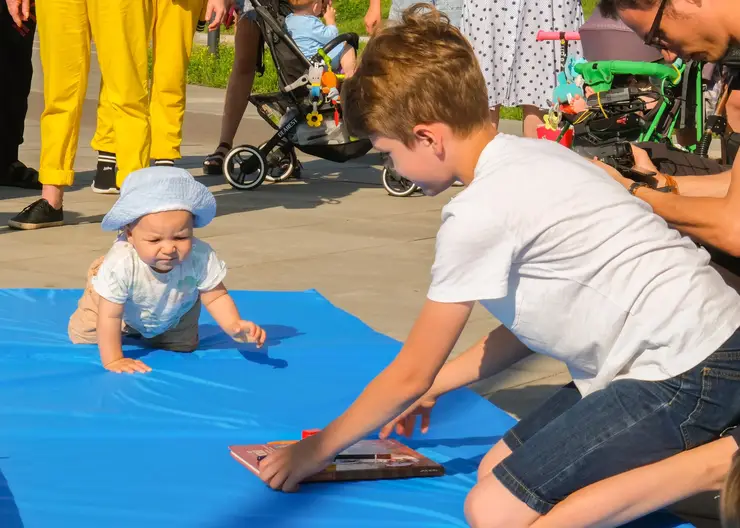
(329, 82)
(315, 73)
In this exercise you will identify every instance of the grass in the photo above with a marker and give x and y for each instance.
(208, 70)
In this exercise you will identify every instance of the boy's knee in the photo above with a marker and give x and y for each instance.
(480, 509)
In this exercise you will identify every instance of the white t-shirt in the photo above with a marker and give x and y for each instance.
(579, 269)
(155, 302)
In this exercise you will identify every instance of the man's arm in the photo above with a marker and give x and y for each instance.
(631, 495)
(707, 208)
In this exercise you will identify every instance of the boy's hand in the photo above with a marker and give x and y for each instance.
(128, 365)
(19, 10)
(248, 332)
(288, 466)
(406, 421)
(330, 15)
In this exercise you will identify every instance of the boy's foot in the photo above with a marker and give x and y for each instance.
(38, 215)
(105, 175)
(164, 163)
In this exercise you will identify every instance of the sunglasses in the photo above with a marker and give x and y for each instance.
(653, 38)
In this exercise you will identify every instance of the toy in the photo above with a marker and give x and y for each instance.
(315, 74)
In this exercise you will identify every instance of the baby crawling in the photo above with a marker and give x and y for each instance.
(153, 281)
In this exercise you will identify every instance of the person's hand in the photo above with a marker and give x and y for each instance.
(285, 468)
(330, 15)
(248, 332)
(128, 365)
(216, 11)
(643, 163)
(614, 173)
(406, 421)
(372, 19)
(19, 10)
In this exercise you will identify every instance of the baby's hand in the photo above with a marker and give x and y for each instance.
(128, 365)
(248, 332)
(330, 15)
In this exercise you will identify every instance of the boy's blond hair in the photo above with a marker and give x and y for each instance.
(420, 71)
(301, 4)
(730, 497)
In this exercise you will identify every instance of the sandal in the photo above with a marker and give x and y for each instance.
(19, 175)
(213, 165)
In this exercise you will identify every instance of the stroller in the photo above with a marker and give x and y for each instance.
(601, 106)
(306, 113)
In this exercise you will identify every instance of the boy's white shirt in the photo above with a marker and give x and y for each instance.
(155, 302)
(578, 269)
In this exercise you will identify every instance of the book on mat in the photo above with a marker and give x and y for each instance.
(365, 460)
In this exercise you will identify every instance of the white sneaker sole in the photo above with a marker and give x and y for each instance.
(97, 190)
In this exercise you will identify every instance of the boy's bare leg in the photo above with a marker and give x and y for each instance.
(348, 61)
(497, 453)
(246, 42)
(490, 505)
(531, 119)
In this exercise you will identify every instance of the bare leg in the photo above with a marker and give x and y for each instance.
(495, 115)
(532, 118)
(349, 61)
(489, 504)
(53, 194)
(246, 41)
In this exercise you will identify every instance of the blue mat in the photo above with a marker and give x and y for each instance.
(86, 448)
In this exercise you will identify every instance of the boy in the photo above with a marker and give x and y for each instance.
(573, 267)
(152, 282)
(310, 34)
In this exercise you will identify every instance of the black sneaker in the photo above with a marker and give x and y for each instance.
(105, 175)
(164, 163)
(38, 215)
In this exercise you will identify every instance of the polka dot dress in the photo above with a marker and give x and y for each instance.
(518, 69)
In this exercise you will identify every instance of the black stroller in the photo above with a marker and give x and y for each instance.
(306, 113)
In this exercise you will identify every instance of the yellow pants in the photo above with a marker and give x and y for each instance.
(173, 27)
(120, 30)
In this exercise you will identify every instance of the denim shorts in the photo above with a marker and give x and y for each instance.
(571, 442)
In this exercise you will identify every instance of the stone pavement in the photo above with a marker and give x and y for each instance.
(336, 231)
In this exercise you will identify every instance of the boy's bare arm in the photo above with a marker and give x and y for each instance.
(221, 306)
(495, 352)
(620, 499)
(109, 326)
(408, 376)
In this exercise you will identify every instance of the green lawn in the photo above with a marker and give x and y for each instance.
(207, 70)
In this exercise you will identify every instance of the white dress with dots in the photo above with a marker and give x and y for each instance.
(518, 69)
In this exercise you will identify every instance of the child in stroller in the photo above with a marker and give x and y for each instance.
(306, 113)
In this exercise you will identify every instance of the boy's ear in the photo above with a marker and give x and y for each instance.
(430, 136)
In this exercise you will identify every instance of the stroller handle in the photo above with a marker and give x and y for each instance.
(599, 75)
(353, 39)
(558, 35)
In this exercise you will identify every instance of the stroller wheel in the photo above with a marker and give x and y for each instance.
(280, 164)
(245, 168)
(397, 185)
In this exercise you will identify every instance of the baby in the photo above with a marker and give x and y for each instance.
(310, 34)
(154, 279)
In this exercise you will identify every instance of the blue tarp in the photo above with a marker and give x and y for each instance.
(83, 447)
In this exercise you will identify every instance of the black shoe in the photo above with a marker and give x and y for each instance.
(38, 215)
(105, 175)
(164, 163)
(18, 175)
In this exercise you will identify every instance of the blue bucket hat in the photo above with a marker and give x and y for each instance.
(159, 189)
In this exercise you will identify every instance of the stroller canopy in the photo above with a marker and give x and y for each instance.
(604, 39)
